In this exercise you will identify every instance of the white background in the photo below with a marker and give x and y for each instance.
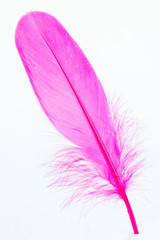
(122, 41)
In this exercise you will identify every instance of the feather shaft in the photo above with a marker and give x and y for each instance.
(105, 153)
(131, 214)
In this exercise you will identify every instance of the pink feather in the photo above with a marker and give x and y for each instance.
(73, 99)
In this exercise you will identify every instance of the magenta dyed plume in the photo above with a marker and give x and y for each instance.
(73, 99)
